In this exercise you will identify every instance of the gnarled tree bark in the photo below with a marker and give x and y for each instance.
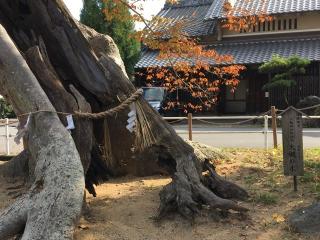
(53, 203)
(73, 68)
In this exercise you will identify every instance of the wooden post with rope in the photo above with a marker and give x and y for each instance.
(190, 126)
(274, 126)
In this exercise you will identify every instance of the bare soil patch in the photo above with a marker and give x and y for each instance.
(124, 208)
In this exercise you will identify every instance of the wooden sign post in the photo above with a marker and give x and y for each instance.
(190, 126)
(292, 144)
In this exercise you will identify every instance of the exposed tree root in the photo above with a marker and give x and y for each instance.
(186, 198)
(17, 167)
(53, 204)
(188, 190)
(177, 196)
(220, 186)
(13, 219)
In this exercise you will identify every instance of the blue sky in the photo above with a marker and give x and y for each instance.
(151, 7)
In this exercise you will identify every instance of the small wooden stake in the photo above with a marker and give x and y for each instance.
(274, 126)
(190, 125)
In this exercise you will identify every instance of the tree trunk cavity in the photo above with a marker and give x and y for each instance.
(68, 67)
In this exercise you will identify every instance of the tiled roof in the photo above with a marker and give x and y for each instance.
(262, 51)
(254, 52)
(216, 10)
(266, 6)
(192, 11)
(187, 3)
(149, 58)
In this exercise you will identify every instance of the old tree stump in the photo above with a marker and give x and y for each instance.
(48, 61)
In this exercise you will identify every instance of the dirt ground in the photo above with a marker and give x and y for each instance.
(5, 199)
(125, 208)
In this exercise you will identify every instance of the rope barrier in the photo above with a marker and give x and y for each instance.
(125, 104)
(176, 121)
(5, 124)
(301, 109)
(133, 98)
(308, 108)
(234, 123)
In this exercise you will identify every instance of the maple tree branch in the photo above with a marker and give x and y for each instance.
(125, 3)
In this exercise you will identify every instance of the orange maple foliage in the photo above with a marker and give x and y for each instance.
(239, 18)
(189, 66)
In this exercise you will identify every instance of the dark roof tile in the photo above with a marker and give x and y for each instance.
(255, 52)
(193, 12)
(188, 3)
(266, 6)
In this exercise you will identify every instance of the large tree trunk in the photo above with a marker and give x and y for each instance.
(77, 69)
(53, 203)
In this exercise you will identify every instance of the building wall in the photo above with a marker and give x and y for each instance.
(309, 20)
(255, 99)
(304, 22)
(252, 99)
(307, 85)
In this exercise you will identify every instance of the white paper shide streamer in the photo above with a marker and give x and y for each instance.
(70, 122)
(132, 120)
(22, 131)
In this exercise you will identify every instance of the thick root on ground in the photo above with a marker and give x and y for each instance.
(17, 167)
(191, 189)
(220, 186)
(13, 219)
(186, 198)
(177, 196)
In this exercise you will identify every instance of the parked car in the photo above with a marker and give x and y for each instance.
(154, 96)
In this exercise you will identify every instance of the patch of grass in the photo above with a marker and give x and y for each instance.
(250, 179)
(312, 164)
(266, 198)
(262, 171)
(312, 153)
(308, 177)
(312, 174)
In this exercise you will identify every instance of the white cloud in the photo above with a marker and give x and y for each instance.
(150, 8)
(75, 7)
(232, 2)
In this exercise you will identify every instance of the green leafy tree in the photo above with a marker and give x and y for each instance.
(94, 14)
(283, 71)
(6, 110)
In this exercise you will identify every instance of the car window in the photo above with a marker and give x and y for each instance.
(153, 94)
